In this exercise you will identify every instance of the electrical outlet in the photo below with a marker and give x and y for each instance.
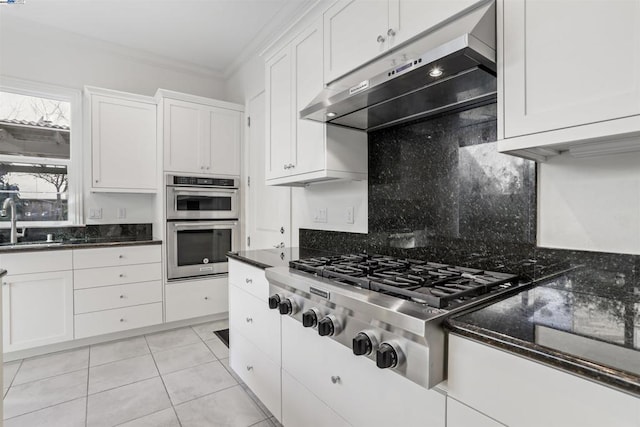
(348, 215)
(320, 215)
(122, 213)
(95, 213)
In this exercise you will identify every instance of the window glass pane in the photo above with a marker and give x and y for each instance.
(40, 191)
(36, 127)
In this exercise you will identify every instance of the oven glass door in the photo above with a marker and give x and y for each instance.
(199, 248)
(193, 203)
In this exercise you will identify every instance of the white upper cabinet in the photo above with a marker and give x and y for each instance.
(279, 115)
(300, 151)
(357, 31)
(571, 73)
(123, 141)
(200, 135)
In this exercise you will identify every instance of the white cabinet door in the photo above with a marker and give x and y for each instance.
(279, 115)
(309, 148)
(223, 139)
(37, 309)
(355, 31)
(569, 63)
(459, 415)
(123, 144)
(347, 383)
(301, 408)
(183, 136)
(503, 385)
(196, 298)
(408, 18)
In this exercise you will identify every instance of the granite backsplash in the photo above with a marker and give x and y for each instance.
(93, 233)
(439, 190)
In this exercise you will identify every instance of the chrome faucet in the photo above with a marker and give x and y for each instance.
(14, 231)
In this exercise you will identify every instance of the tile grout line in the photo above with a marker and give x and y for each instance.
(13, 379)
(47, 378)
(43, 408)
(162, 380)
(86, 403)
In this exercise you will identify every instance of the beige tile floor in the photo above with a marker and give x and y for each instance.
(174, 378)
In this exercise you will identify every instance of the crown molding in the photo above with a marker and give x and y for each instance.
(287, 17)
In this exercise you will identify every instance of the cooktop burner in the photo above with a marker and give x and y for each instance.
(433, 284)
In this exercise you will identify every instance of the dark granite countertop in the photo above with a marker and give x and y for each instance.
(74, 244)
(585, 321)
(265, 258)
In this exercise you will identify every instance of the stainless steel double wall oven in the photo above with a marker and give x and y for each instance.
(202, 225)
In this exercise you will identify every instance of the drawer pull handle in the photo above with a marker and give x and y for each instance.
(206, 297)
(249, 368)
(120, 256)
(249, 320)
(122, 320)
(335, 379)
(121, 275)
(121, 296)
(247, 280)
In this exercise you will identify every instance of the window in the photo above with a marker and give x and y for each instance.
(38, 166)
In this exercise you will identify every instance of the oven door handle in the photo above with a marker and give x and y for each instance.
(205, 225)
(205, 191)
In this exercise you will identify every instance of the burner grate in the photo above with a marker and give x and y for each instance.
(434, 284)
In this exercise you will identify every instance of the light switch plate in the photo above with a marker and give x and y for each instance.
(348, 215)
(122, 213)
(95, 213)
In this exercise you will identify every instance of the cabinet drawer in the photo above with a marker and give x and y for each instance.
(360, 382)
(249, 278)
(301, 408)
(88, 300)
(252, 318)
(259, 372)
(119, 319)
(36, 262)
(196, 298)
(121, 255)
(104, 276)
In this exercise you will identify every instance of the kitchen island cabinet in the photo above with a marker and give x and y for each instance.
(557, 94)
(521, 393)
(254, 334)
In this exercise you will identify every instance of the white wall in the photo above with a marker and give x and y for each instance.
(590, 204)
(44, 54)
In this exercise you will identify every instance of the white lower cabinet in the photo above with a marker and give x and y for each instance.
(353, 387)
(503, 386)
(460, 415)
(195, 298)
(300, 407)
(254, 334)
(119, 319)
(37, 309)
(258, 371)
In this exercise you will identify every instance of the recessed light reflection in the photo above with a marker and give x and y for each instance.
(331, 114)
(435, 72)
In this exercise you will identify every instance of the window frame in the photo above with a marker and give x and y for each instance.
(74, 163)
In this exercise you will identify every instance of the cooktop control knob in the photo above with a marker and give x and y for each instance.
(364, 343)
(329, 326)
(310, 318)
(274, 301)
(288, 306)
(388, 356)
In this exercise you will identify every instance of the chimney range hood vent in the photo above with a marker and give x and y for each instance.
(451, 68)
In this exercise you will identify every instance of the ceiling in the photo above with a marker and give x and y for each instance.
(208, 35)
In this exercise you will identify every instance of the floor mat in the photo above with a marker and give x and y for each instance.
(224, 336)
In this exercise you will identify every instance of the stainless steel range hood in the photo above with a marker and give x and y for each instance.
(450, 68)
